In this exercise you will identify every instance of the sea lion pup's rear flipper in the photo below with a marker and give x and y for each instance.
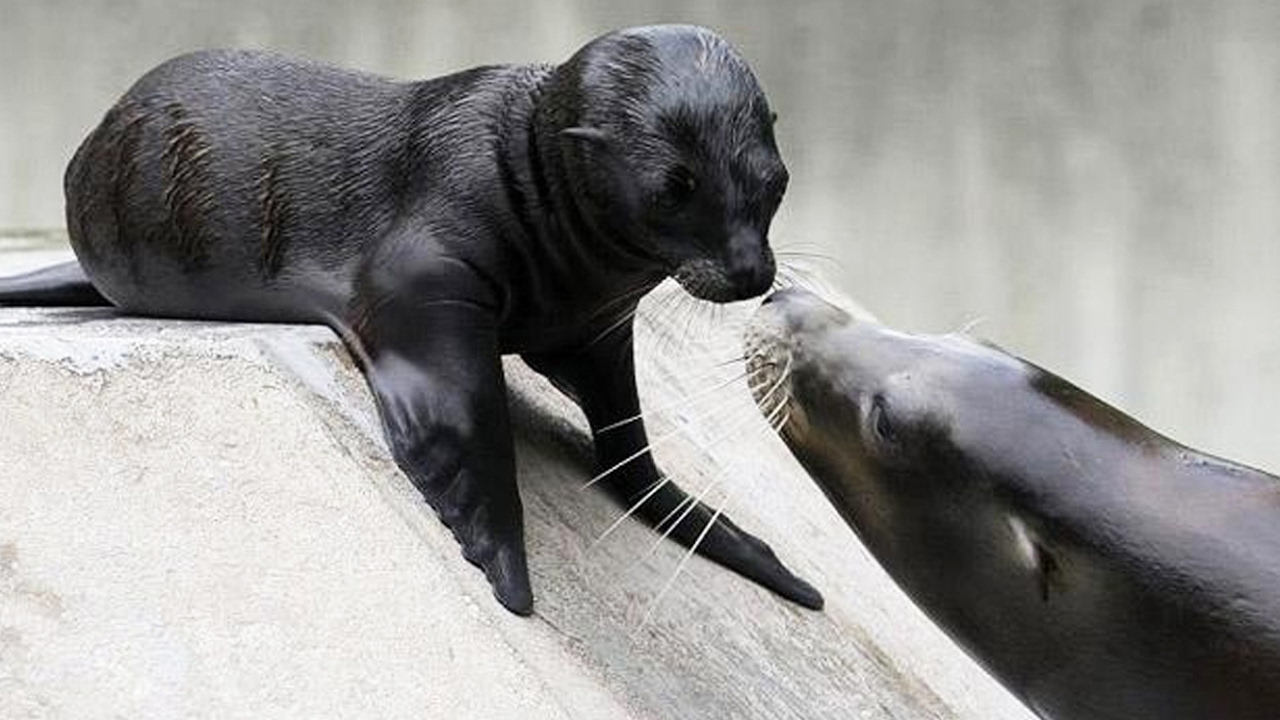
(601, 378)
(436, 372)
(64, 285)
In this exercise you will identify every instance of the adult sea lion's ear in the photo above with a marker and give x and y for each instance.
(596, 136)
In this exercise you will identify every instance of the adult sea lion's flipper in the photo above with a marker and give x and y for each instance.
(437, 376)
(63, 284)
(601, 378)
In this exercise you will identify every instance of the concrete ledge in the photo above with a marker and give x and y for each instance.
(201, 520)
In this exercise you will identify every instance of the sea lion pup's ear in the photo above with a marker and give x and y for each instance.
(595, 136)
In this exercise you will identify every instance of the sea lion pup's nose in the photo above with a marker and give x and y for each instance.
(749, 264)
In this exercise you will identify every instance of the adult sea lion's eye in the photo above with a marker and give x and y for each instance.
(679, 187)
(880, 421)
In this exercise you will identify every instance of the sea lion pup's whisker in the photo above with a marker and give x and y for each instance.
(784, 279)
(619, 299)
(678, 403)
(799, 278)
(666, 301)
(807, 256)
(653, 604)
(613, 327)
(689, 309)
(668, 312)
(798, 269)
(809, 263)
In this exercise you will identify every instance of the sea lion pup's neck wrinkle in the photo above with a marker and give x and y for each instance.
(605, 90)
(568, 234)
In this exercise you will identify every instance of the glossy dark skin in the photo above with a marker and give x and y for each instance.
(1097, 568)
(438, 225)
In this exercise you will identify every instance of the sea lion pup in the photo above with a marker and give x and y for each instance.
(1098, 569)
(438, 225)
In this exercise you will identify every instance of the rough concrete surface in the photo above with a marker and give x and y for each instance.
(201, 520)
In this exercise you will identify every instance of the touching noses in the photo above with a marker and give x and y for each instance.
(749, 263)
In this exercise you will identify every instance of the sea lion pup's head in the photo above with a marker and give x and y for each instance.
(667, 144)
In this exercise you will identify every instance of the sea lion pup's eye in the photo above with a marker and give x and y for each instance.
(678, 187)
(880, 423)
(775, 184)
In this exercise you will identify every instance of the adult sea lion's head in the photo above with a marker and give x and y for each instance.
(955, 462)
(667, 143)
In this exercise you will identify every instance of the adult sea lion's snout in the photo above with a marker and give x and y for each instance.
(816, 371)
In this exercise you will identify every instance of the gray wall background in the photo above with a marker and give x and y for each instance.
(1097, 179)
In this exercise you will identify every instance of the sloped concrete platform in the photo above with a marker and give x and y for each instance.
(201, 520)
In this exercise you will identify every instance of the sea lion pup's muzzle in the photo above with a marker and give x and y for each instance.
(744, 269)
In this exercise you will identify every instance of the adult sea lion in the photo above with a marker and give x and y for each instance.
(438, 225)
(1097, 568)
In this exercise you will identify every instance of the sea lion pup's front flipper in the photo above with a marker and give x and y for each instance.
(436, 372)
(601, 378)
